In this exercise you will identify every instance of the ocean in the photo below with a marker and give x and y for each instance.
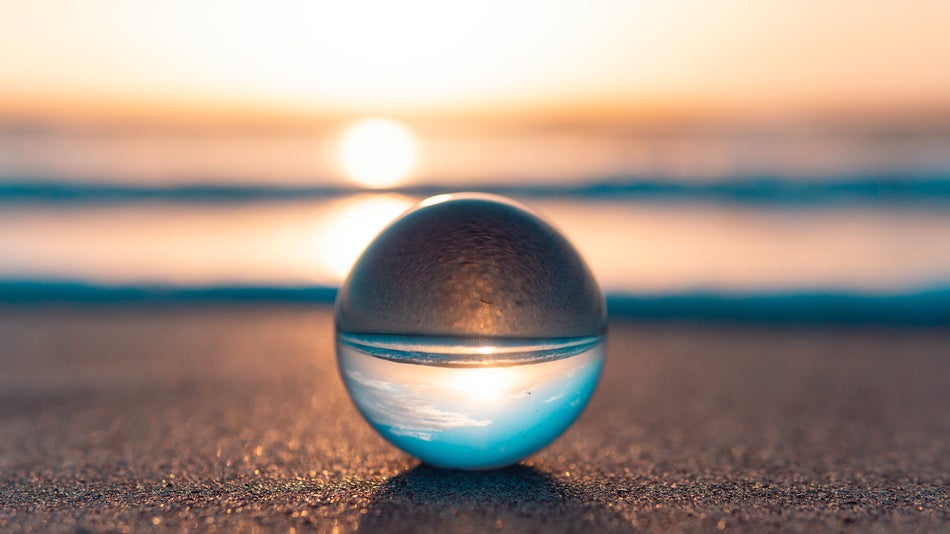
(696, 224)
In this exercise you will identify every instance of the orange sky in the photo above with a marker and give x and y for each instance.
(146, 59)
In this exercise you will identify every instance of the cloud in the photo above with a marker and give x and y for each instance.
(405, 411)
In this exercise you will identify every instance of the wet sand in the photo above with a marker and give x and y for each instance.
(131, 418)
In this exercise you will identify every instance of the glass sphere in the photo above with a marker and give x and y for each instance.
(470, 332)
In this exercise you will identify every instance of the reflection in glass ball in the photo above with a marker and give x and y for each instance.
(470, 332)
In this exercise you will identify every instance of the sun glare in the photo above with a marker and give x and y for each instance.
(378, 153)
(485, 384)
(348, 226)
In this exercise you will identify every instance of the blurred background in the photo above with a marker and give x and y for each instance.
(761, 159)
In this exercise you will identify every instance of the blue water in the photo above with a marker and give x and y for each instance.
(459, 406)
(929, 307)
(868, 249)
(928, 188)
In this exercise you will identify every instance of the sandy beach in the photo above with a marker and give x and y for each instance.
(132, 418)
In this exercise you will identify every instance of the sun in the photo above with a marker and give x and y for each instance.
(378, 153)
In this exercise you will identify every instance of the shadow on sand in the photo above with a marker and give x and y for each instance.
(426, 499)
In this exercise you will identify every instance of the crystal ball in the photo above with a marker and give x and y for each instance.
(470, 332)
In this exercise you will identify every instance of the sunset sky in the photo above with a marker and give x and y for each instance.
(63, 58)
(383, 99)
